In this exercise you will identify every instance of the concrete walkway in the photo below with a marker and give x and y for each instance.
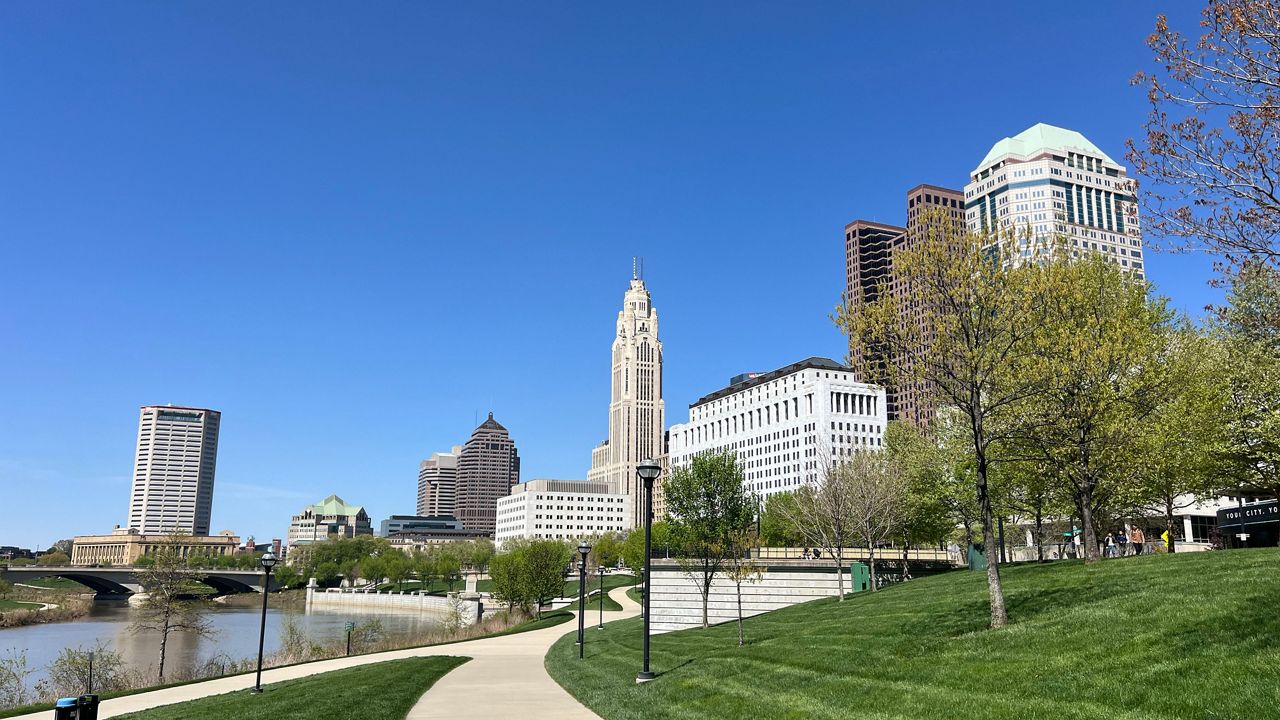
(504, 679)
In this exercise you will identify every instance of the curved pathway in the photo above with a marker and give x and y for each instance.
(504, 679)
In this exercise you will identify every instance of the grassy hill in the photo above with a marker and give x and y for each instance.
(1195, 635)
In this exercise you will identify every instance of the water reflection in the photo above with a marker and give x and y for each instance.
(236, 635)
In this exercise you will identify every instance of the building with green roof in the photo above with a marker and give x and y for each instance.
(331, 517)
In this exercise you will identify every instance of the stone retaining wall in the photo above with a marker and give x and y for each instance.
(677, 603)
(470, 607)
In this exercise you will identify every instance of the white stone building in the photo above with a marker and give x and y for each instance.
(173, 470)
(784, 424)
(438, 483)
(1054, 183)
(636, 409)
(561, 510)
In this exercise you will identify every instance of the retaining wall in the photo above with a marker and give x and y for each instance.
(470, 608)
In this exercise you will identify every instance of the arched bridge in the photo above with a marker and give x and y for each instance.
(123, 581)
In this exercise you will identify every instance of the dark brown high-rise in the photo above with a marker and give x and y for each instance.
(488, 467)
(869, 251)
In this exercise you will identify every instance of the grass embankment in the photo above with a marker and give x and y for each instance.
(382, 691)
(1192, 635)
(18, 605)
(57, 583)
(593, 603)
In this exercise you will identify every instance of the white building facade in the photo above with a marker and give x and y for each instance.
(438, 483)
(636, 408)
(785, 424)
(1049, 182)
(173, 470)
(561, 510)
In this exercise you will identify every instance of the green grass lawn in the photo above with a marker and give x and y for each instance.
(635, 594)
(17, 605)
(57, 583)
(382, 691)
(1192, 635)
(593, 603)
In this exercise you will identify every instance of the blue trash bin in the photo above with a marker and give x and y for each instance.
(66, 709)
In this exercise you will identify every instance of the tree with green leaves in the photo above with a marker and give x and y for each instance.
(775, 528)
(633, 545)
(169, 603)
(1103, 342)
(709, 507)
(822, 515)
(606, 548)
(926, 514)
(877, 489)
(977, 315)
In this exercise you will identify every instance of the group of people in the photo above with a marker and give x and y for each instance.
(815, 554)
(1118, 543)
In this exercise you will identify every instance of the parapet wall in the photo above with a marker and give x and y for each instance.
(677, 603)
(468, 608)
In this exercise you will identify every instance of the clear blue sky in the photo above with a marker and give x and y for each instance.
(355, 228)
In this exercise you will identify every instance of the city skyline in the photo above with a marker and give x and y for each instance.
(314, 325)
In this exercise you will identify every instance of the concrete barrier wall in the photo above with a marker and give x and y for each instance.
(677, 603)
(368, 600)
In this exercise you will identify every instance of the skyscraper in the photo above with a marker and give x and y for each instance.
(437, 483)
(1050, 182)
(488, 466)
(173, 470)
(870, 249)
(635, 407)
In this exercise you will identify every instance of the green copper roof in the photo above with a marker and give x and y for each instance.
(1041, 137)
(334, 505)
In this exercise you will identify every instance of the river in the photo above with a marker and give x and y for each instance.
(236, 636)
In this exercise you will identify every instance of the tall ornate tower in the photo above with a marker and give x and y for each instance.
(635, 407)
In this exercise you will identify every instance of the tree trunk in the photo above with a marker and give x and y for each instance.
(707, 579)
(1039, 534)
(999, 615)
(906, 539)
(871, 560)
(741, 639)
(838, 554)
(1090, 539)
(164, 641)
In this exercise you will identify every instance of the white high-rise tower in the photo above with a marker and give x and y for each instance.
(173, 470)
(635, 409)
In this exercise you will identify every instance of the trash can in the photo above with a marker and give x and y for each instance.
(88, 706)
(859, 577)
(977, 557)
(66, 709)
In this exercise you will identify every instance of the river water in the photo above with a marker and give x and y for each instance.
(236, 636)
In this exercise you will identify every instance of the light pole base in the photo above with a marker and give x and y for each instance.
(255, 691)
(644, 676)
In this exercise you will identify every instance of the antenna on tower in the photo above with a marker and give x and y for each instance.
(633, 268)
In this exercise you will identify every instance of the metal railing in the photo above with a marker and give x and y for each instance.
(856, 553)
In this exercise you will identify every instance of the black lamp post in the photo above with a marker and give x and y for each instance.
(600, 571)
(268, 561)
(648, 472)
(583, 549)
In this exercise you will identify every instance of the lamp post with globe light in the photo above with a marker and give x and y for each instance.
(648, 472)
(268, 561)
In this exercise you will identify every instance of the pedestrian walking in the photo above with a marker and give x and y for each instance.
(1137, 537)
(1123, 541)
(1111, 545)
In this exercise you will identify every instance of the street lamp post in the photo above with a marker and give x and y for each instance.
(268, 562)
(600, 570)
(648, 472)
(583, 550)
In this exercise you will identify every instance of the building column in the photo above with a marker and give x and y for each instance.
(1186, 529)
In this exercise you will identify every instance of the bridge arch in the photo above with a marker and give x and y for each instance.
(98, 584)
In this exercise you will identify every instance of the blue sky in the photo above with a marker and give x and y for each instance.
(356, 228)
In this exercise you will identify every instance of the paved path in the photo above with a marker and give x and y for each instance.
(504, 679)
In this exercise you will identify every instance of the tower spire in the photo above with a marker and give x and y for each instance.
(633, 268)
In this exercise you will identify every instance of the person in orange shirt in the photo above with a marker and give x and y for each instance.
(1136, 538)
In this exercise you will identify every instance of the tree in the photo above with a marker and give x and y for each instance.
(822, 515)
(742, 569)
(606, 549)
(508, 588)
(926, 515)
(287, 576)
(877, 491)
(397, 567)
(1102, 342)
(709, 506)
(977, 316)
(69, 673)
(167, 606)
(775, 529)
(1182, 442)
(1213, 130)
(542, 564)
(63, 546)
(53, 558)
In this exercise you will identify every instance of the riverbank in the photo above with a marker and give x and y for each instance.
(27, 609)
(296, 648)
